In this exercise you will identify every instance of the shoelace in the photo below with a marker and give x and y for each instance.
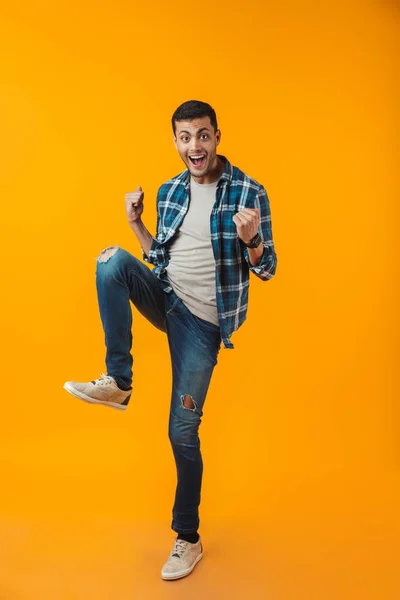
(103, 380)
(179, 548)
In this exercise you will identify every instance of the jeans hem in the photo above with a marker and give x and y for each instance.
(184, 530)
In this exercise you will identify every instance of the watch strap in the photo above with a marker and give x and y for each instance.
(254, 242)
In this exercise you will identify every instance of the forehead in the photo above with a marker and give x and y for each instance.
(193, 126)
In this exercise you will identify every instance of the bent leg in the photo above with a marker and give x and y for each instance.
(121, 278)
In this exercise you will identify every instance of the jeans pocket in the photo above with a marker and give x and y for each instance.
(175, 304)
(207, 325)
(207, 333)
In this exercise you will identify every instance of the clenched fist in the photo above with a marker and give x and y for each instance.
(247, 222)
(134, 205)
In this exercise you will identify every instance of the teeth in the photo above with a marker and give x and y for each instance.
(201, 156)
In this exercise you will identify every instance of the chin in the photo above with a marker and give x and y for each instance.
(197, 173)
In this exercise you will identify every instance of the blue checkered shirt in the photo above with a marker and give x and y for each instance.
(235, 191)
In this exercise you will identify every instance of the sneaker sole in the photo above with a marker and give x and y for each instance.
(90, 400)
(180, 574)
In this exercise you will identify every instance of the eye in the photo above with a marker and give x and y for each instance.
(184, 138)
(204, 135)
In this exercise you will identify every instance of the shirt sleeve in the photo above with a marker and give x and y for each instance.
(153, 253)
(155, 248)
(266, 268)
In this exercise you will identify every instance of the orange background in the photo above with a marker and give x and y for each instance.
(300, 435)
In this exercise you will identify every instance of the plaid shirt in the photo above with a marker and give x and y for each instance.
(235, 191)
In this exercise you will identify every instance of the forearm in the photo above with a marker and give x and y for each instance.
(143, 235)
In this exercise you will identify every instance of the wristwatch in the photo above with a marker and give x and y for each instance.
(254, 242)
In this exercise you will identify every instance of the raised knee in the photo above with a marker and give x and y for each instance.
(107, 253)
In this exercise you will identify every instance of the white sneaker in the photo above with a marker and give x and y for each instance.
(100, 391)
(182, 560)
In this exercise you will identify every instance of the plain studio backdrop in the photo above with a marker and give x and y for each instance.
(300, 434)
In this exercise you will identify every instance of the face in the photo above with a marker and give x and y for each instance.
(196, 142)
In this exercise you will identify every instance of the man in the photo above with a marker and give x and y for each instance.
(213, 228)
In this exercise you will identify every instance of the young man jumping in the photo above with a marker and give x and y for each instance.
(213, 228)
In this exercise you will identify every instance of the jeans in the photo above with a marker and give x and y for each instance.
(194, 345)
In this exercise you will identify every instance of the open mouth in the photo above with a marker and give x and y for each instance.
(198, 160)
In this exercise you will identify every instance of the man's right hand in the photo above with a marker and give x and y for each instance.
(134, 205)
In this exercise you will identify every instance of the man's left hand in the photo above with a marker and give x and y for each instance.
(247, 222)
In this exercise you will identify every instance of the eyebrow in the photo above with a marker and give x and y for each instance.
(199, 131)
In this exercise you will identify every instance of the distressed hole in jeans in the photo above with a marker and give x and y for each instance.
(107, 253)
(188, 402)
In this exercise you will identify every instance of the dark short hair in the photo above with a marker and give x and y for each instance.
(194, 109)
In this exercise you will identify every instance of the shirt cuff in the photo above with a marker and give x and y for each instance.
(150, 258)
(264, 268)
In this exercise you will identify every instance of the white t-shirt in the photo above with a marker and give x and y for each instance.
(191, 269)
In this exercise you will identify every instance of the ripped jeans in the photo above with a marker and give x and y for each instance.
(194, 345)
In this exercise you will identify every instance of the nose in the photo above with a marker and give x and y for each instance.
(194, 145)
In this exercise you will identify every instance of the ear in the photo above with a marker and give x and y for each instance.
(174, 138)
(218, 136)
